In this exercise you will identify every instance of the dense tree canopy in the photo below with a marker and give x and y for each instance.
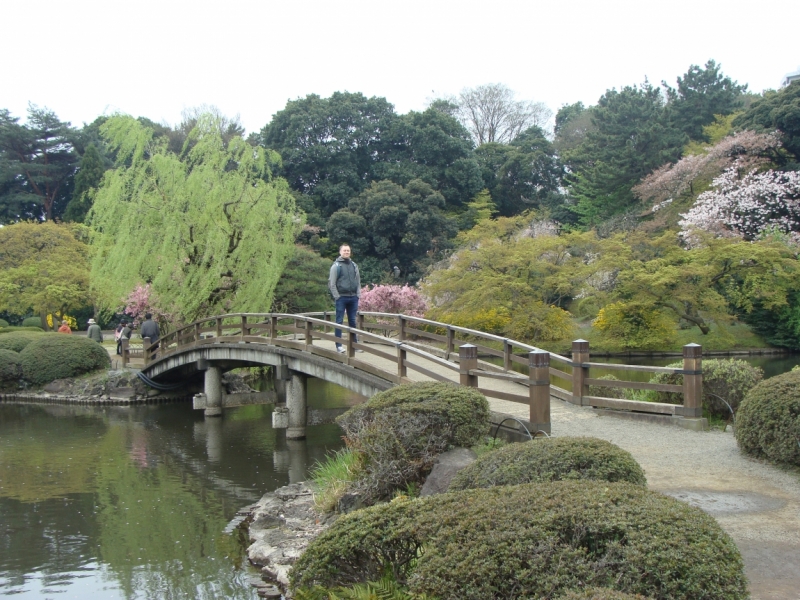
(400, 226)
(333, 148)
(211, 230)
(43, 268)
(776, 110)
(522, 175)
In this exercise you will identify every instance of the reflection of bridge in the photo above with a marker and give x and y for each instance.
(395, 349)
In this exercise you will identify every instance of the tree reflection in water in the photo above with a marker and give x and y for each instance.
(131, 502)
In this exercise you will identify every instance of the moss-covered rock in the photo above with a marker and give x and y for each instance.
(768, 421)
(56, 356)
(532, 541)
(550, 459)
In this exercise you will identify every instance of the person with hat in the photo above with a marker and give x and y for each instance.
(64, 327)
(94, 332)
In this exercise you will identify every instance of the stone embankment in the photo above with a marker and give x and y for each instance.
(116, 386)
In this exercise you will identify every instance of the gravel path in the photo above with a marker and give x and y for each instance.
(756, 503)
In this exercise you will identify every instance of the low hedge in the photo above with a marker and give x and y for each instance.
(56, 356)
(768, 421)
(550, 459)
(10, 368)
(729, 378)
(400, 432)
(531, 541)
(32, 322)
(16, 341)
(600, 594)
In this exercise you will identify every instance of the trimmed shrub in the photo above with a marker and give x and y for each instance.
(17, 340)
(600, 594)
(3, 323)
(56, 356)
(531, 541)
(400, 432)
(32, 322)
(550, 459)
(10, 367)
(768, 421)
(729, 378)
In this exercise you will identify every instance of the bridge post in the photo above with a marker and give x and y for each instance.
(580, 355)
(692, 381)
(450, 343)
(213, 392)
(539, 390)
(296, 403)
(467, 360)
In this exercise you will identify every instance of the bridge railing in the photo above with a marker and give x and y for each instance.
(395, 338)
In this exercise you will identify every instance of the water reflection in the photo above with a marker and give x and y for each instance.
(131, 502)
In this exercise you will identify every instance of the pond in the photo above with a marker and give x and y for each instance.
(133, 502)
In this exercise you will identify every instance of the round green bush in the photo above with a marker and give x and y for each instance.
(400, 432)
(3, 323)
(57, 356)
(550, 459)
(768, 421)
(10, 367)
(32, 322)
(531, 541)
(728, 378)
(17, 340)
(600, 594)
(465, 409)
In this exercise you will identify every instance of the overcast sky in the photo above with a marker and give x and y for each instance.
(84, 58)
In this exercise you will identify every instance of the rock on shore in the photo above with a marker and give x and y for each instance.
(283, 523)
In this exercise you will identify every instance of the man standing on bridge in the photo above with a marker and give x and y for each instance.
(344, 283)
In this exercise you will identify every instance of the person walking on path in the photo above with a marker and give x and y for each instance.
(344, 284)
(149, 329)
(64, 328)
(94, 332)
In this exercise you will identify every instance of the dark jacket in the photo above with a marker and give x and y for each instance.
(344, 279)
(149, 329)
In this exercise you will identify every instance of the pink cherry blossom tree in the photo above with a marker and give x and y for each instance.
(393, 299)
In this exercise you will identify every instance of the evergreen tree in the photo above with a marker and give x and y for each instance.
(701, 94)
(37, 162)
(632, 135)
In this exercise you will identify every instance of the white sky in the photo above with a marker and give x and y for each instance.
(83, 58)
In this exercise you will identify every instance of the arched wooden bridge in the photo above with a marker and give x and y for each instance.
(385, 349)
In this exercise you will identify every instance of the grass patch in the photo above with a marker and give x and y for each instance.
(332, 476)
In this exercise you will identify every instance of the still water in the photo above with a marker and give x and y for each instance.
(132, 502)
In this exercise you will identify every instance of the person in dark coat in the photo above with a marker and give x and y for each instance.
(149, 329)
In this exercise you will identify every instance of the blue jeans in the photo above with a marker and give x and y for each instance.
(349, 304)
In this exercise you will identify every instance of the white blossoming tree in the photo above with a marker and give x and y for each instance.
(748, 206)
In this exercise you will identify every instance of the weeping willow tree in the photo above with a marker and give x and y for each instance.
(210, 229)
